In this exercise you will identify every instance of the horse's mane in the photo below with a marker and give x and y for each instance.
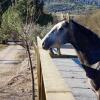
(85, 41)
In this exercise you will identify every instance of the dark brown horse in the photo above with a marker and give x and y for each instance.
(86, 44)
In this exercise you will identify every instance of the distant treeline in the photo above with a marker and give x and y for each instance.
(69, 7)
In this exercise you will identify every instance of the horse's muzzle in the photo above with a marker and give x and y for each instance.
(43, 46)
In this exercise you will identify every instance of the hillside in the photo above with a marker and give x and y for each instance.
(72, 6)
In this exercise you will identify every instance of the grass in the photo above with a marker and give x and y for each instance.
(91, 21)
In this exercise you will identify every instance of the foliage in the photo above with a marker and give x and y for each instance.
(11, 25)
(40, 30)
(15, 17)
(38, 6)
(44, 19)
(21, 6)
(26, 9)
(35, 9)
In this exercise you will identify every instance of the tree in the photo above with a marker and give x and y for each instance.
(11, 25)
(38, 5)
(21, 7)
(4, 5)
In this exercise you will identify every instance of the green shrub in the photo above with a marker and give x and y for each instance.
(11, 25)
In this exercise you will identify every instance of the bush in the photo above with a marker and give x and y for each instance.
(11, 25)
(15, 17)
(21, 7)
(44, 19)
(40, 31)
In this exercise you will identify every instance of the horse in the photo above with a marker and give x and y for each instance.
(86, 44)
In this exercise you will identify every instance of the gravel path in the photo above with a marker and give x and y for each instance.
(8, 63)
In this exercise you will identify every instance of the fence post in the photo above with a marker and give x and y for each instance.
(41, 91)
(51, 84)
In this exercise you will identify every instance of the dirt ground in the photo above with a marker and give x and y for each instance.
(15, 76)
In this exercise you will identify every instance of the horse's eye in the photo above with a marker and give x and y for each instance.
(61, 29)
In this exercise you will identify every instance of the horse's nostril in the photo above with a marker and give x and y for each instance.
(44, 46)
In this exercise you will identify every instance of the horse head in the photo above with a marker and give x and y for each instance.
(86, 43)
(56, 36)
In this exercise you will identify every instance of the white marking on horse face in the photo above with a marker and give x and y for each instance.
(55, 35)
(57, 26)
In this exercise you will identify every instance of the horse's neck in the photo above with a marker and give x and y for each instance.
(82, 57)
(86, 43)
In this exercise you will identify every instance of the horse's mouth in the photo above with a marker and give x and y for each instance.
(44, 47)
